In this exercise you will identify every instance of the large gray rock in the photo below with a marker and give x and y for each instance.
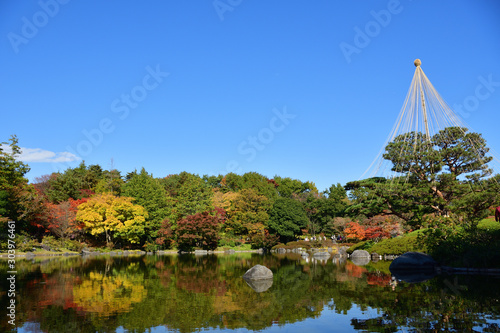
(360, 257)
(86, 252)
(321, 254)
(360, 254)
(413, 267)
(258, 272)
(413, 261)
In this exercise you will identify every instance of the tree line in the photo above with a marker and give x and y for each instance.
(443, 179)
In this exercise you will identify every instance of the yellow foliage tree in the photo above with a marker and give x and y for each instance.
(246, 211)
(113, 216)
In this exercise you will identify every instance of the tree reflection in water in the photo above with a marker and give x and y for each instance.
(187, 293)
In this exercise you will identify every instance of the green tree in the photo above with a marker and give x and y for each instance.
(440, 176)
(250, 180)
(110, 182)
(189, 195)
(75, 183)
(287, 218)
(288, 187)
(150, 194)
(18, 200)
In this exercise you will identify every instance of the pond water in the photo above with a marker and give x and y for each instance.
(187, 293)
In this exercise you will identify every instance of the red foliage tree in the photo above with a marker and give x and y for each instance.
(354, 231)
(200, 230)
(264, 240)
(165, 235)
(60, 219)
(376, 233)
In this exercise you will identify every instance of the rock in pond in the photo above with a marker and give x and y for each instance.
(413, 267)
(258, 272)
(321, 254)
(360, 254)
(259, 286)
(86, 252)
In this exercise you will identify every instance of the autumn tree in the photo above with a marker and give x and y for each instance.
(200, 230)
(113, 217)
(247, 212)
(60, 219)
(354, 231)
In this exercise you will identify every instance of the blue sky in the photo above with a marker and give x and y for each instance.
(301, 89)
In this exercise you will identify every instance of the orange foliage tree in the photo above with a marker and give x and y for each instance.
(355, 231)
(60, 219)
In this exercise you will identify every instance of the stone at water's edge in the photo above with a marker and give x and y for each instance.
(360, 254)
(413, 261)
(413, 267)
(321, 254)
(258, 272)
(360, 257)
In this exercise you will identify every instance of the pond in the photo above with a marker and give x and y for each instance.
(188, 293)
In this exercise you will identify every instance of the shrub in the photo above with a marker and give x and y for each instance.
(150, 247)
(73, 245)
(51, 242)
(401, 244)
(455, 245)
(264, 240)
(366, 245)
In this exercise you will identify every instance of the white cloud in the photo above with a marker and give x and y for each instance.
(43, 156)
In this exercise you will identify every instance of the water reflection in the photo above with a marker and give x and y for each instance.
(187, 293)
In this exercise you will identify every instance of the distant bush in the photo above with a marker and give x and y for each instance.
(453, 245)
(51, 242)
(401, 244)
(365, 245)
(73, 245)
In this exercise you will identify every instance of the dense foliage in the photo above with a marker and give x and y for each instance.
(440, 182)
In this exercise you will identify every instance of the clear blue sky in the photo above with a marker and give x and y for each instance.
(301, 89)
